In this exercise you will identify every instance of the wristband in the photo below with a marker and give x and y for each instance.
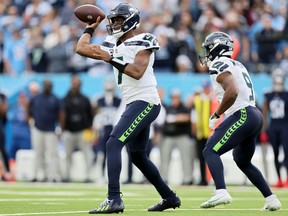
(89, 31)
(218, 116)
(119, 64)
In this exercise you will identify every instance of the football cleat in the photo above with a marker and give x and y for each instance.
(164, 204)
(279, 184)
(108, 207)
(218, 199)
(272, 205)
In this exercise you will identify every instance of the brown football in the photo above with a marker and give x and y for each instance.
(88, 13)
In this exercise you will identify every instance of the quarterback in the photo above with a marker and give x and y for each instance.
(243, 120)
(132, 58)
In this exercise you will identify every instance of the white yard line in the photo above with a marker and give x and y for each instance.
(131, 210)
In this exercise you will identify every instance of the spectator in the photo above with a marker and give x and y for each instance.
(1, 54)
(57, 51)
(275, 108)
(176, 135)
(183, 64)
(236, 25)
(19, 126)
(3, 119)
(10, 19)
(37, 53)
(284, 61)
(76, 63)
(77, 118)
(16, 54)
(165, 57)
(267, 47)
(45, 112)
(33, 89)
(204, 104)
(66, 13)
(35, 10)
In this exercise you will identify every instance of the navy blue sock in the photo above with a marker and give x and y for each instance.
(215, 165)
(150, 171)
(114, 165)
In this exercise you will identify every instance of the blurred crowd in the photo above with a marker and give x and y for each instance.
(39, 36)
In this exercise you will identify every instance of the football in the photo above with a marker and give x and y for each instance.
(88, 13)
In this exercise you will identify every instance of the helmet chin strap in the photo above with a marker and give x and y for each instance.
(118, 34)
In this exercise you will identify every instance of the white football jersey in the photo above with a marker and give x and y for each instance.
(144, 89)
(246, 94)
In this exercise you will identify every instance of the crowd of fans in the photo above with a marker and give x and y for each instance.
(39, 36)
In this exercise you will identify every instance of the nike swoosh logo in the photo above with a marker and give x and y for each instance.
(215, 200)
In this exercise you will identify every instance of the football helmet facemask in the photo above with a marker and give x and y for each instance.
(216, 44)
(131, 17)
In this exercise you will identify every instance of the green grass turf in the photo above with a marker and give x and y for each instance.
(77, 198)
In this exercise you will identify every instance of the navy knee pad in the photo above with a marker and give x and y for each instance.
(114, 144)
(208, 151)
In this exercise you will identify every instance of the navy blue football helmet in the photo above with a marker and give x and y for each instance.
(216, 44)
(131, 17)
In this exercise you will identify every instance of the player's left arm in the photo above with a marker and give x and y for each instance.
(228, 83)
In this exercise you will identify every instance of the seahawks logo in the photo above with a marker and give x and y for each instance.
(148, 37)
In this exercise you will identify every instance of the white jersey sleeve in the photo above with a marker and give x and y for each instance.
(246, 94)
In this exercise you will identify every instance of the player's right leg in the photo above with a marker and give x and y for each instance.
(243, 153)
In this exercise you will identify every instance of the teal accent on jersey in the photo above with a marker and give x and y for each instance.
(136, 122)
(231, 130)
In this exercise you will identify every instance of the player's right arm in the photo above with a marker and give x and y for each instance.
(85, 48)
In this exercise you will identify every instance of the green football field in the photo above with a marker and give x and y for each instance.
(77, 198)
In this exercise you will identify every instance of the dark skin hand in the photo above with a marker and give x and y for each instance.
(228, 83)
(134, 70)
